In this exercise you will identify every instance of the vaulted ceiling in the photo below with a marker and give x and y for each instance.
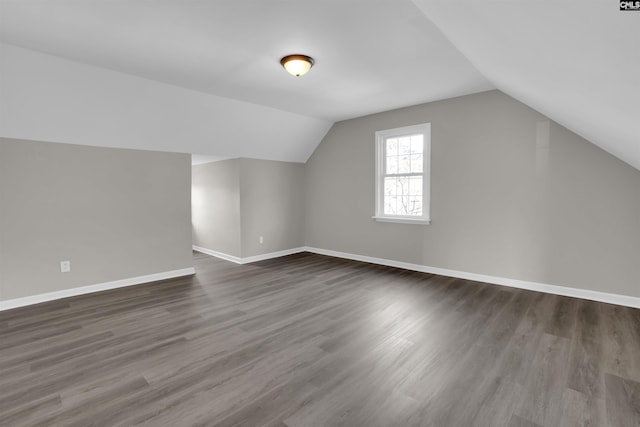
(574, 63)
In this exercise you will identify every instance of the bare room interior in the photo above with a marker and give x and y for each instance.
(319, 213)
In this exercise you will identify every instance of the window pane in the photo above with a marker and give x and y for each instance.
(402, 185)
(403, 196)
(404, 145)
(417, 143)
(403, 206)
(392, 147)
(416, 163)
(415, 205)
(390, 205)
(415, 186)
(392, 164)
(404, 164)
(399, 206)
(401, 171)
(390, 186)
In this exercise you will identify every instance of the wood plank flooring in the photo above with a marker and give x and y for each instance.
(309, 340)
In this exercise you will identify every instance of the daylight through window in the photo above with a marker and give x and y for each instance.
(403, 160)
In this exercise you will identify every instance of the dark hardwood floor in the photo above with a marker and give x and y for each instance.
(309, 340)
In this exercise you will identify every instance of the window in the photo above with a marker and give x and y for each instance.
(403, 159)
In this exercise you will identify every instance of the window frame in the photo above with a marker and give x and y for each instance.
(380, 169)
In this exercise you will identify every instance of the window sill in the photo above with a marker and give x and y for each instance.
(401, 220)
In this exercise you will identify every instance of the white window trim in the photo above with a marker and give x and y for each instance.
(425, 129)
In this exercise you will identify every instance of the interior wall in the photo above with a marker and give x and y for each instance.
(114, 213)
(215, 195)
(236, 201)
(272, 201)
(513, 195)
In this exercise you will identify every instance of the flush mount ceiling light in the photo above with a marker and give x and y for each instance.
(297, 65)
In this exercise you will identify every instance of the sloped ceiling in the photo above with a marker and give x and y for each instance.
(576, 62)
(47, 98)
(370, 56)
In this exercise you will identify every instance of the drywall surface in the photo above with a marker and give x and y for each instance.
(513, 195)
(215, 198)
(272, 206)
(114, 213)
(237, 201)
(47, 98)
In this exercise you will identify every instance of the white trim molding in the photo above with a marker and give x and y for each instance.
(605, 297)
(587, 294)
(270, 255)
(401, 220)
(217, 254)
(65, 293)
(382, 173)
(247, 260)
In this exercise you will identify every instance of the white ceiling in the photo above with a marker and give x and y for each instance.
(371, 56)
(576, 63)
(47, 98)
(199, 159)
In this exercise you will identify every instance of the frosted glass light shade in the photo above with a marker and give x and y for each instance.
(297, 65)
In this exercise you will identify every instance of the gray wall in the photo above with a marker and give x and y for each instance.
(216, 206)
(237, 201)
(114, 213)
(272, 201)
(513, 195)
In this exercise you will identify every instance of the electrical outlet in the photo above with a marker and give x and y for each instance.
(261, 240)
(65, 266)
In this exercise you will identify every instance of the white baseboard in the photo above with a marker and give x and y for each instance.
(617, 299)
(247, 260)
(50, 296)
(270, 255)
(217, 254)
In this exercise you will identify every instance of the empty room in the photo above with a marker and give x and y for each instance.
(296, 213)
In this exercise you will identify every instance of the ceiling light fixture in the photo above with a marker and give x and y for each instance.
(297, 65)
